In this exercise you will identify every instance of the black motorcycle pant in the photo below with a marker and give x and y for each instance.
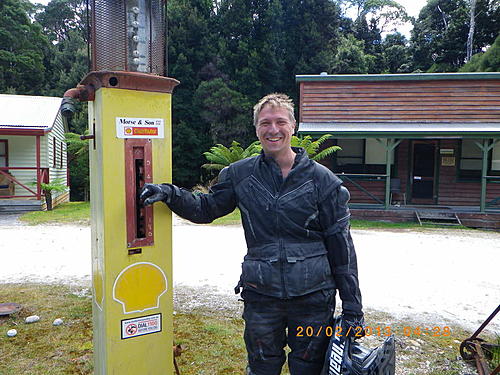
(304, 323)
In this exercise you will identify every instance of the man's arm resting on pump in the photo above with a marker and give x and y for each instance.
(198, 208)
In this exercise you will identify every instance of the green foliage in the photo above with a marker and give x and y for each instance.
(396, 54)
(221, 156)
(227, 54)
(57, 185)
(312, 147)
(350, 57)
(78, 164)
(192, 59)
(227, 111)
(488, 61)
(23, 49)
(440, 33)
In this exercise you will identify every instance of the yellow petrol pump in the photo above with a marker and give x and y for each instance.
(130, 143)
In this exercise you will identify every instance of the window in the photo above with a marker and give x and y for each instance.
(4, 155)
(61, 149)
(471, 159)
(495, 159)
(54, 152)
(352, 153)
(375, 152)
(366, 156)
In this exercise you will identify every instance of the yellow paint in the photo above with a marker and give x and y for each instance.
(139, 287)
(148, 354)
(97, 282)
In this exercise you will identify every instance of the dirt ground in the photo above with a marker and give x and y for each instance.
(430, 278)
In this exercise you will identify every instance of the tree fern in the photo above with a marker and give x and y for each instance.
(220, 156)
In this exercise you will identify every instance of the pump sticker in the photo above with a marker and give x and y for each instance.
(127, 127)
(143, 325)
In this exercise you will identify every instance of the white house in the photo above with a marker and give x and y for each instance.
(32, 151)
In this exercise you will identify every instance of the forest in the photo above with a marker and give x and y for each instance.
(229, 53)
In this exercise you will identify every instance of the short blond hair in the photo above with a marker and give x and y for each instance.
(275, 100)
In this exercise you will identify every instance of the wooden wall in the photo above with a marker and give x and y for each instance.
(401, 101)
(452, 191)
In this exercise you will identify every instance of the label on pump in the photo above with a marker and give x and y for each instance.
(141, 326)
(127, 127)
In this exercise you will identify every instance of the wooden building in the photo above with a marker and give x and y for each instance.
(413, 145)
(32, 151)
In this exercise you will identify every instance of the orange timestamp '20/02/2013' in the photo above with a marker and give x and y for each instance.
(359, 331)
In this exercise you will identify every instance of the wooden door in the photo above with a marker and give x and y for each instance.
(423, 172)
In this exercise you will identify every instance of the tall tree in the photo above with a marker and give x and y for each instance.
(192, 58)
(440, 34)
(385, 14)
(397, 55)
(488, 61)
(351, 57)
(23, 49)
(227, 111)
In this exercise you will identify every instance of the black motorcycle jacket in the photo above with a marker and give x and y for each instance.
(296, 229)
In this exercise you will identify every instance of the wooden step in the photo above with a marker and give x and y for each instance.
(437, 217)
(19, 205)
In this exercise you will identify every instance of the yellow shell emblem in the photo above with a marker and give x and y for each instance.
(139, 287)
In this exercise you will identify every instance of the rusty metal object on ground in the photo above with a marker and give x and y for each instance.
(9, 308)
(178, 349)
(476, 349)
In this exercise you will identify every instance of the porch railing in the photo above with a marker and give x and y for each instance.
(351, 177)
(42, 175)
(495, 202)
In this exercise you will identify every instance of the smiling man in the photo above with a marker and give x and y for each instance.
(296, 224)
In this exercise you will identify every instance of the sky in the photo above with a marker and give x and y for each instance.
(412, 7)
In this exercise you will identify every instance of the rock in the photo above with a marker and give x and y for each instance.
(58, 322)
(32, 319)
(11, 333)
(415, 343)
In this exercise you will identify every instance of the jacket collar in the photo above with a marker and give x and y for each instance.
(300, 154)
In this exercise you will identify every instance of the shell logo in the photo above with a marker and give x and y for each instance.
(139, 287)
(128, 130)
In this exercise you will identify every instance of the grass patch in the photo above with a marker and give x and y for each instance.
(41, 348)
(213, 340)
(234, 218)
(79, 212)
(214, 344)
(71, 212)
(368, 224)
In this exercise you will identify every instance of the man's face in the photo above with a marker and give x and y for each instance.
(274, 130)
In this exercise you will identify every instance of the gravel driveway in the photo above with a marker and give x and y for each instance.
(435, 276)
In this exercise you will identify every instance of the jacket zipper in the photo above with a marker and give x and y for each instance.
(297, 188)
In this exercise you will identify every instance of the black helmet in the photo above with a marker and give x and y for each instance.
(348, 357)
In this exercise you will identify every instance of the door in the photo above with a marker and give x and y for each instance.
(423, 172)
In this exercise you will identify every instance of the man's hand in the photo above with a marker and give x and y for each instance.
(152, 193)
(353, 326)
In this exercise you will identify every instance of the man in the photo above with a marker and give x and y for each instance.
(296, 224)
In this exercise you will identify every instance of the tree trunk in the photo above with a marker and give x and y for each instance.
(470, 38)
(48, 200)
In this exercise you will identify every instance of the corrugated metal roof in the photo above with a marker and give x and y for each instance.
(402, 130)
(28, 112)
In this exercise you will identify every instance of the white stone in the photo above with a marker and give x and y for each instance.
(57, 322)
(32, 319)
(11, 333)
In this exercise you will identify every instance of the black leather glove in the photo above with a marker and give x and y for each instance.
(152, 193)
(353, 326)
